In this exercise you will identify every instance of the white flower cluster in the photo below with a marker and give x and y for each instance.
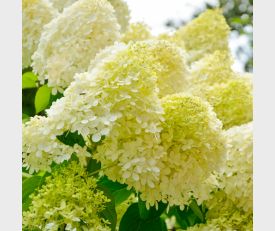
(237, 177)
(120, 6)
(72, 39)
(35, 14)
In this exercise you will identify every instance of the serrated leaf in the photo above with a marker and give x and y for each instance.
(42, 98)
(29, 80)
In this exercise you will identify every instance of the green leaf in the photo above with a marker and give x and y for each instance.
(197, 211)
(71, 138)
(131, 221)
(29, 186)
(25, 118)
(152, 212)
(118, 191)
(29, 80)
(109, 213)
(42, 98)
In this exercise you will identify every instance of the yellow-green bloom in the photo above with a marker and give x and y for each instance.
(69, 200)
(214, 68)
(213, 79)
(72, 39)
(232, 101)
(205, 34)
(194, 144)
(136, 32)
(35, 14)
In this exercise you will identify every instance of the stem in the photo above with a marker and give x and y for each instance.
(93, 173)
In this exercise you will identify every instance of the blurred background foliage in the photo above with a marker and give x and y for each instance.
(239, 15)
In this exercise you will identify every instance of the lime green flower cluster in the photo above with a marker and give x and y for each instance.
(232, 101)
(69, 200)
(35, 14)
(207, 33)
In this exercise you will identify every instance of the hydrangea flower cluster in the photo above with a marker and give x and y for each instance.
(120, 7)
(235, 186)
(207, 33)
(35, 14)
(194, 145)
(70, 200)
(228, 92)
(165, 115)
(237, 176)
(72, 39)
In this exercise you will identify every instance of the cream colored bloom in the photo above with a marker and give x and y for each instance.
(71, 40)
(136, 32)
(68, 197)
(120, 6)
(35, 14)
(122, 13)
(205, 34)
(237, 177)
(193, 140)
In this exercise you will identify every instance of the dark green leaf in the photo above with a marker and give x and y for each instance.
(42, 98)
(29, 80)
(71, 138)
(131, 221)
(109, 213)
(118, 191)
(153, 212)
(195, 208)
(25, 118)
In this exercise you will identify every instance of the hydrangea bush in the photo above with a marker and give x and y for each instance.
(123, 130)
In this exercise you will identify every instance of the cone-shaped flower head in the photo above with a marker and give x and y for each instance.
(69, 200)
(71, 40)
(120, 6)
(193, 140)
(35, 14)
(205, 34)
